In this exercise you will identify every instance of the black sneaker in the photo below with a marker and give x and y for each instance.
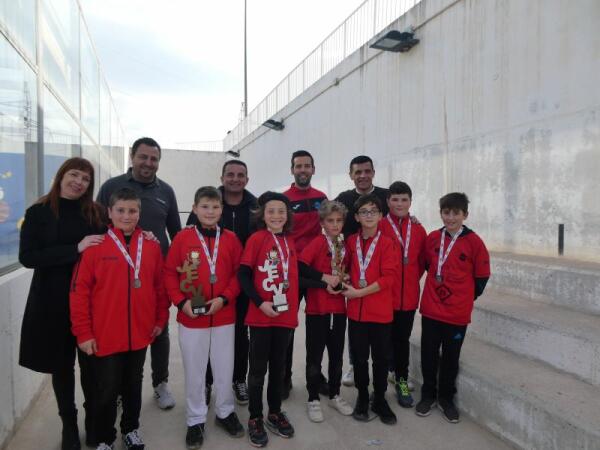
(257, 434)
(403, 394)
(285, 390)
(231, 425)
(423, 408)
(194, 436)
(207, 393)
(383, 410)
(133, 441)
(449, 410)
(279, 424)
(323, 386)
(240, 389)
(361, 410)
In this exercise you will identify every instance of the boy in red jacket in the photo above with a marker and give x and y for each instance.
(410, 243)
(458, 267)
(118, 307)
(201, 267)
(326, 310)
(373, 271)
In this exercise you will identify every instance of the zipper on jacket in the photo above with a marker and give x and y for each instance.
(402, 287)
(211, 285)
(360, 309)
(129, 303)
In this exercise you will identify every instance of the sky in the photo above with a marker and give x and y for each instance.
(175, 68)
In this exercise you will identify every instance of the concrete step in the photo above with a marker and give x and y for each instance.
(569, 283)
(566, 339)
(525, 402)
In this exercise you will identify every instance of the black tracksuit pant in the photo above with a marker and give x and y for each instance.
(324, 331)
(401, 330)
(119, 373)
(370, 338)
(449, 338)
(268, 349)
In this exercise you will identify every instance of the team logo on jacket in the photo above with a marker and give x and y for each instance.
(443, 292)
(269, 268)
(273, 256)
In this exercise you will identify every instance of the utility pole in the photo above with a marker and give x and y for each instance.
(245, 65)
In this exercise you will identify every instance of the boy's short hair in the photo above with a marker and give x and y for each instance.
(329, 207)
(361, 159)
(365, 200)
(124, 194)
(299, 153)
(233, 161)
(455, 200)
(398, 188)
(209, 192)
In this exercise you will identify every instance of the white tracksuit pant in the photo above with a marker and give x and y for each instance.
(197, 346)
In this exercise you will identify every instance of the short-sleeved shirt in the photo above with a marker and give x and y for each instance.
(262, 256)
(451, 300)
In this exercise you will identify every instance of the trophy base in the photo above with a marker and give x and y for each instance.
(200, 310)
(280, 308)
(339, 287)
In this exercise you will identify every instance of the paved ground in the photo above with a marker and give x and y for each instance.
(166, 429)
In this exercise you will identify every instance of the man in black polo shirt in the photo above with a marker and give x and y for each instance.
(159, 214)
(238, 204)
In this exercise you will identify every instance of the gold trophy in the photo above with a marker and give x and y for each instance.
(337, 261)
(190, 269)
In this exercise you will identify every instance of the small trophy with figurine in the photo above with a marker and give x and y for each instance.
(280, 303)
(337, 261)
(190, 269)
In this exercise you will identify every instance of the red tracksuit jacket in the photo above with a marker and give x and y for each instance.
(186, 244)
(305, 204)
(261, 255)
(104, 303)
(383, 268)
(318, 301)
(451, 301)
(406, 289)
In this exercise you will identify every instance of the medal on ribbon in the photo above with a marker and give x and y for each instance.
(442, 257)
(285, 261)
(137, 283)
(405, 245)
(363, 263)
(212, 260)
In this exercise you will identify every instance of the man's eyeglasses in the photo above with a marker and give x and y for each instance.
(368, 212)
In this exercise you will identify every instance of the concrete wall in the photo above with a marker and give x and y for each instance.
(19, 385)
(498, 100)
(187, 170)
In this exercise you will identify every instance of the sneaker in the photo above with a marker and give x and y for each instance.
(162, 395)
(207, 393)
(240, 389)
(323, 386)
(385, 413)
(315, 414)
(341, 405)
(103, 446)
(348, 377)
(133, 441)
(194, 436)
(256, 433)
(403, 394)
(361, 410)
(231, 425)
(279, 424)
(423, 408)
(286, 388)
(449, 411)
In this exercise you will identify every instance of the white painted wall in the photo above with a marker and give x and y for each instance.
(499, 100)
(19, 385)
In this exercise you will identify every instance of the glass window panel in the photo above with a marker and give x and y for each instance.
(90, 152)
(61, 137)
(18, 17)
(90, 87)
(18, 137)
(104, 115)
(60, 35)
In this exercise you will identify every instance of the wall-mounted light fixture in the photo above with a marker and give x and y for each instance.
(274, 125)
(396, 41)
(233, 153)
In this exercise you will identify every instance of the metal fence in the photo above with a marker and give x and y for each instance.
(366, 21)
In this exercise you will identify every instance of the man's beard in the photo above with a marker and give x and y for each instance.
(299, 182)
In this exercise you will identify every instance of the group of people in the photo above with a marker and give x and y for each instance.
(105, 276)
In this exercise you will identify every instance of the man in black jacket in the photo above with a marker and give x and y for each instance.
(238, 204)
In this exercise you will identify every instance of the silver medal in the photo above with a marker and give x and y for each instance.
(438, 278)
(362, 283)
(137, 283)
(405, 260)
(213, 278)
(286, 284)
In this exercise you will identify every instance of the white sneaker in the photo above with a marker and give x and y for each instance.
(348, 377)
(162, 395)
(103, 446)
(133, 440)
(315, 414)
(341, 405)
